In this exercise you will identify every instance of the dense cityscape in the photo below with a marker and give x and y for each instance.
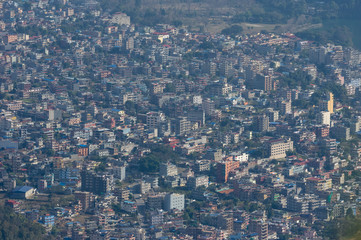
(114, 130)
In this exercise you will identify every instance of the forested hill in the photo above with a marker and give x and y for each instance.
(14, 226)
(339, 18)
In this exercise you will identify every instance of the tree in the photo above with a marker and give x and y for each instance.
(14, 226)
(232, 30)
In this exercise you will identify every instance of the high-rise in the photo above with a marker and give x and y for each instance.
(98, 184)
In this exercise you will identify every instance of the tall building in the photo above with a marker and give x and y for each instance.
(168, 169)
(119, 172)
(324, 118)
(224, 168)
(181, 126)
(174, 201)
(86, 199)
(195, 182)
(265, 83)
(340, 133)
(327, 105)
(260, 227)
(261, 123)
(272, 115)
(98, 184)
(208, 106)
(285, 107)
(154, 119)
(198, 116)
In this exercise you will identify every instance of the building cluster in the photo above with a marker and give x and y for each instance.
(111, 130)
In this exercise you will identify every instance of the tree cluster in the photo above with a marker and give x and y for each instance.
(14, 226)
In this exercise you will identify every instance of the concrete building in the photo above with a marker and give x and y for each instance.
(224, 168)
(119, 172)
(168, 169)
(285, 107)
(327, 105)
(98, 184)
(261, 123)
(195, 182)
(154, 119)
(340, 133)
(23, 192)
(155, 201)
(174, 201)
(260, 227)
(278, 148)
(86, 199)
(181, 126)
(324, 118)
(272, 115)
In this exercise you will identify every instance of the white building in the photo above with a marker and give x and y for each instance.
(168, 169)
(119, 172)
(174, 201)
(324, 118)
(197, 100)
(242, 157)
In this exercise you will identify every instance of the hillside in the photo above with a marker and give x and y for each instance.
(313, 18)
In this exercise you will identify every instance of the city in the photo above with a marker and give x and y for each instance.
(113, 130)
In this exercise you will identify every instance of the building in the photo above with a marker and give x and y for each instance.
(55, 115)
(42, 185)
(265, 83)
(260, 227)
(329, 144)
(317, 184)
(197, 116)
(195, 182)
(285, 107)
(242, 157)
(119, 172)
(278, 148)
(86, 199)
(202, 166)
(128, 206)
(13, 204)
(23, 192)
(168, 169)
(174, 201)
(155, 201)
(340, 133)
(327, 105)
(208, 106)
(261, 123)
(181, 126)
(223, 170)
(98, 184)
(272, 115)
(322, 131)
(220, 221)
(154, 119)
(324, 118)
(48, 220)
(297, 204)
(9, 184)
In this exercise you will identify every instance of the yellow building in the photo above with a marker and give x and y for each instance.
(327, 105)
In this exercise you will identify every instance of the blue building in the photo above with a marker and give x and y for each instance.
(48, 220)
